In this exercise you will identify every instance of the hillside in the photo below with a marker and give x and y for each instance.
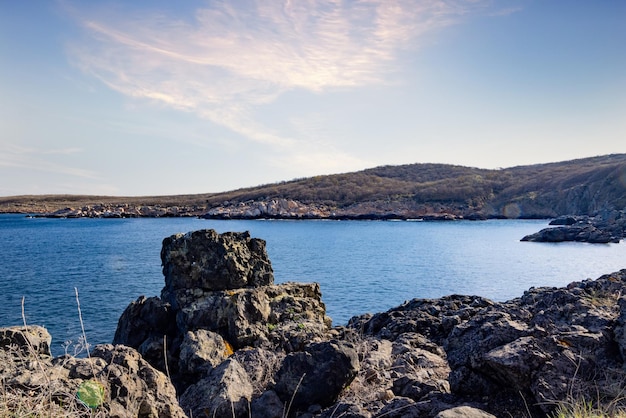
(576, 187)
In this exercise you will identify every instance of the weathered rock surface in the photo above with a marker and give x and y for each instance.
(267, 350)
(227, 331)
(35, 383)
(609, 226)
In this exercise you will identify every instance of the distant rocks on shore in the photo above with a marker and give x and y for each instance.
(292, 209)
(121, 211)
(606, 227)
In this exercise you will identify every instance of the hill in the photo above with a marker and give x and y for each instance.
(577, 187)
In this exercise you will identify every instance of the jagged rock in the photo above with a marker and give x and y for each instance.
(608, 226)
(209, 261)
(202, 350)
(587, 233)
(550, 342)
(135, 388)
(225, 392)
(261, 366)
(431, 318)
(268, 405)
(564, 220)
(220, 318)
(288, 315)
(316, 375)
(130, 386)
(145, 318)
(26, 339)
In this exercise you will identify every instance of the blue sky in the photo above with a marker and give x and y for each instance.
(161, 97)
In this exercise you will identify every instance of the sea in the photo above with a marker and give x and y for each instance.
(55, 272)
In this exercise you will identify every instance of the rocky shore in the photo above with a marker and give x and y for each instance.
(223, 340)
(606, 227)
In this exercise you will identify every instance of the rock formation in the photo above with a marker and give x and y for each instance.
(608, 226)
(230, 335)
(237, 345)
(35, 384)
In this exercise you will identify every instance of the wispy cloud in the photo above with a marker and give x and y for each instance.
(226, 61)
(38, 160)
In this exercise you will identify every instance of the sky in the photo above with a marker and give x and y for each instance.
(160, 97)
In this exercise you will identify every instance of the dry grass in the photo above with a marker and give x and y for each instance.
(37, 392)
(32, 386)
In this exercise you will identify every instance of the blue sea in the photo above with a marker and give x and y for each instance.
(362, 266)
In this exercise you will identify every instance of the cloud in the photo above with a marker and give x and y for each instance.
(228, 59)
(38, 160)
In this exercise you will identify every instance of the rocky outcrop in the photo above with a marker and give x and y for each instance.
(230, 335)
(235, 344)
(114, 381)
(547, 347)
(608, 226)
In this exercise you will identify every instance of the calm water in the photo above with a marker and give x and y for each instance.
(362, 267)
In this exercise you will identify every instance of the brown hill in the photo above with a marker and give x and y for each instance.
(577, 187)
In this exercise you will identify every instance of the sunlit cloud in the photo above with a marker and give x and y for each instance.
(227, 61)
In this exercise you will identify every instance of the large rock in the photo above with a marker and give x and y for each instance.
(26, 340)
(220, 318)
(547, 345)
(316, 375)
(122, 384)
(225, 392)
(208, 261)
(607, 226)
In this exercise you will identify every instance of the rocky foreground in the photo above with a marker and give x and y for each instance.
(223, 340)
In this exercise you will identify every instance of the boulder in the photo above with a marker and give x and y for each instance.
(464, 412)
(114, 381)
(133, 387)
(608, 226)
(26, 340)
(225, 392)
(316, 375)
(202, 350)
(209, 261)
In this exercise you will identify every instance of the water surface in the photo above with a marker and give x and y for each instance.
(362, 266)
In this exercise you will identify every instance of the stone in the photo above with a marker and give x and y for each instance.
(202, 350)
(316, 375)
(225, 392)
(135, 388)
(464, 412)
(268, 405)
(147, 324)
(29, 340)
(210, 261)
(130, 386)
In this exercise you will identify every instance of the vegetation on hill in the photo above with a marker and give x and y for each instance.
(577, 187)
